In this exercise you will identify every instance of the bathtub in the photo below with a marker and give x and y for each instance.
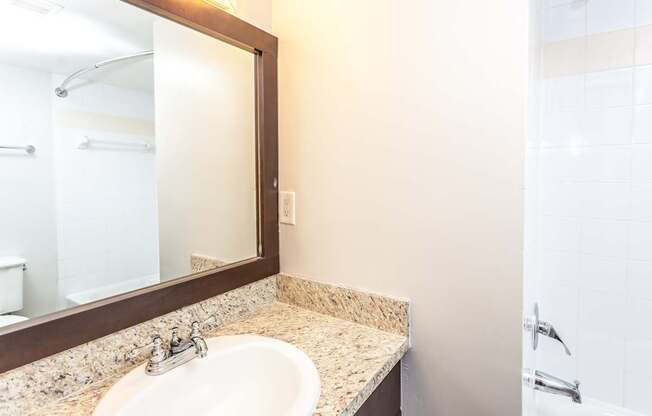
(99, 293)
(549, 405)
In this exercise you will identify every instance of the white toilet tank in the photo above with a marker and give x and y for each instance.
(11, 284)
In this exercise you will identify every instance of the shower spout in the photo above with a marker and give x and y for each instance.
(62, 90)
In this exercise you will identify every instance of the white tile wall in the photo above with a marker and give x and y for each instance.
(610, 15)
(642, 203)
(594, 200)
(601, 377)
(605, 274)
(27, 220)
(638, 368)
(644, 12)
(604, 164)
(604, 237)
(107, 215)
(609, 88)
(639, 282)
(565, 22)
(565, 93)
(608, 125)
(562, 128)
(640, 241)
(555, 3)
(641, 166)
(643, 124)
(644, 85)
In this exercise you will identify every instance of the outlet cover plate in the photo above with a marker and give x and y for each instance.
(287, 208)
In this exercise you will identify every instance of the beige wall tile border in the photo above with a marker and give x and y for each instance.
(103, 122)
(598, 52)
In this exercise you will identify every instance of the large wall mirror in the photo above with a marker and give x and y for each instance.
(130, 153)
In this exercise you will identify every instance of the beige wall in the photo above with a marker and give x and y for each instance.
(205, 140)
(402, 130)
(256, 12)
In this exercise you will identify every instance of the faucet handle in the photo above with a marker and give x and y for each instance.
(195, 330)
(197, 326)
(548, 330)
(537, 327)
(157, 343)
(158, 353)
(175, 339)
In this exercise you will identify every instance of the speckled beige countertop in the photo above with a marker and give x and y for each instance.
(352, 359)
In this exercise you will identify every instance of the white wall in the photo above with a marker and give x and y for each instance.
(593, 167)
(206, 161)
(402, 131)
(27, 218)
(107, 215)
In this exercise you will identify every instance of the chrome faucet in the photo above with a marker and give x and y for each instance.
(180, 352)
(538, 380)
(537, 327)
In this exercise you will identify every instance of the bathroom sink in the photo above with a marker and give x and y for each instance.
(242, 375)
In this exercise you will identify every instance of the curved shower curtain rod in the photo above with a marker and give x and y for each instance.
(62, 90)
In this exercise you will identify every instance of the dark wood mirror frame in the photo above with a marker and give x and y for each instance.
(43, 336)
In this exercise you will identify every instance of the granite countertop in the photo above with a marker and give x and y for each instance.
(352, 359)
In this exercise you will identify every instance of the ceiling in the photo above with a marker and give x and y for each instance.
(82, 33)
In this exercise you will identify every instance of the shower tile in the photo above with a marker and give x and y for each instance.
(601, 378)
(560, 268)
(643, 85)
(560, 234)
(638, 382)
(606, 163)
(641, 166)
(639, 280)
(609, 88)
(643, 124)
(638, 314)
(603, 274)
(602, 313)
(564, 22)
(610, 15)
(643, 12)
(642, 202)
(565, 93)
(559, 165)
(640, 241)
(555, 3)
(605, 200)
(562, 128)
(604, 238)
(561, 199)
(608, 126)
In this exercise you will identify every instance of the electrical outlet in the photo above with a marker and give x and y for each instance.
(287, 208)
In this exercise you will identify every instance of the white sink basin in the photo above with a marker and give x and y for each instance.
(242, 375)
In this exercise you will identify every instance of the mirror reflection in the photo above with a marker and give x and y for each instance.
(128, 153)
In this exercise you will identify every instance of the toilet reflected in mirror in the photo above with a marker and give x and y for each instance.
(11, 290)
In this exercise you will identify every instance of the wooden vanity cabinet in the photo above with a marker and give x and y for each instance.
(386, 399)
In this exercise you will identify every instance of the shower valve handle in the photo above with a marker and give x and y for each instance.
(537, 327)
(544, 328)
